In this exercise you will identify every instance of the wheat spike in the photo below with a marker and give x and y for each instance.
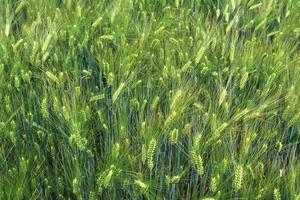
(117, 92)
(46, 43)
(174, 136)
(244, 79)
(238, 177)
(44, 107)
(276, 194)
(150, 154)
(222, 96)
(199, 165)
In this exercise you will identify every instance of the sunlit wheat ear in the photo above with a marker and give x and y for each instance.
(171, 118)
(75, 186)
(117, 92)
(104, 180)
(63, 78)
(246, 144)
(150, 154)
(17, 45)
(136, 84)
(186, 67)
(193, 156)
(76, 139)
(144, 104)
(66, 113)
(241, 114)
(222, 96)
(7, 103)
(9, 19)
(176, 98)
(116, 150)
(172, 180)
(17, 83)
(56, 106)
(141, 184)
(21, 6)
(199, 165)
(214, 183)
(97, 22)
(52, 76)
(154, 103)
(107, 178)
(197, 140)
(44, 107)
(187, 129)
(110, 79)
(276, 194)
(86, 113)
(143, 128)
(174, 136)
(268, 85)
(238, 177)
(46, 43)
(144, 153)
(279, 146)
(92, 195)
(244, 79)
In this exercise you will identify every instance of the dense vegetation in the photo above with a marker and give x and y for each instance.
(148, 99)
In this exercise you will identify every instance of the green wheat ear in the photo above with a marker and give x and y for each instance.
(150, 153)
(116, 150)
(214, 183)
(97, 22)
(46, 43)
(174, 136)
(44, 107)
(141, 185)
(187, 129)
(117, 92)
(243, 79)
(75, 186)
(222, 96)
(107, 178)
(155, 103)
(92, 195)
(172, 180)
(238, 177)
(52, 76)
(199, 165)
(175, 100)
(76, 139)
(276, 194)
(193, 156)
(66, 113)
(144, 153)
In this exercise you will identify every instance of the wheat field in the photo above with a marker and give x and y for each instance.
(150, 99)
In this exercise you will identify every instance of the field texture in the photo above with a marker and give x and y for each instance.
(149, 99)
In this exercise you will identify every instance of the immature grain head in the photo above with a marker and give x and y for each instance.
(150, 153)
(276, 194)
(238, 177)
